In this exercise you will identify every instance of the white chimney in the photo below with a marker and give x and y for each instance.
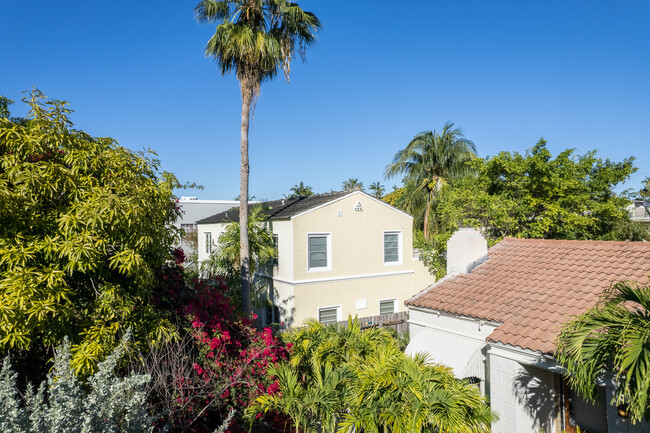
(466, 249)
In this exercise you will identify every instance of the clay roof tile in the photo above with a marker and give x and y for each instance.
(532, 286)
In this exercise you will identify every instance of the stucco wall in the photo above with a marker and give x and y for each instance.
(522, 395)
(284, 231)
(283, 295)
(457, 342)
(309, 297)
(216, 230)
(357, 238)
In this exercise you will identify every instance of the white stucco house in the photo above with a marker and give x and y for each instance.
(339, 254)
(495, 316)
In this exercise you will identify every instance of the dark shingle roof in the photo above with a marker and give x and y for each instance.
(280, 209)
(532, 286)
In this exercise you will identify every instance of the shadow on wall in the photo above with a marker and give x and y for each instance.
(535, 397)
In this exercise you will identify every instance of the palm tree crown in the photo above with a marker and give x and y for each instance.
(377, 189)
(300, 190)
(256, 38)
(427, 162)
(614, 336)
(352, 183)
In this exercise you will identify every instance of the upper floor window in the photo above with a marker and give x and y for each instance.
(276, 261)
(208, 242)
(319, 252)
(392, 247)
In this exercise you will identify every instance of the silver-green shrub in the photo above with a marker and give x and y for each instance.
(63, 404)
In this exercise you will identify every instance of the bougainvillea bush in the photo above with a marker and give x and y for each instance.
(221, 361)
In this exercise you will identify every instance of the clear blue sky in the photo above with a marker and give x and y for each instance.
(508, 72)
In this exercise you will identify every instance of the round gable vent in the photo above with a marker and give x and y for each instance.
(358, 207)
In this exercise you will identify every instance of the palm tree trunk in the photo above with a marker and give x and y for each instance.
(426, 217)
(244, 252)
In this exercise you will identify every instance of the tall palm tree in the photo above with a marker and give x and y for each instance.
(614, 336)
(255, 39)
(352, 183)
(427, 163)
(377, 189)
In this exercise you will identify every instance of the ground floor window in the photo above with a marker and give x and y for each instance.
(329, 314)
(387, 306)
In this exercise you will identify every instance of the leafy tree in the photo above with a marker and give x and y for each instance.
(377, 190)
(300, 190)
(343, 379)
(537, 196)
(352, 183)
(395, 197)
(86, 223)
(254, 38)
(428, 163)
(612, 337)
(4, 106)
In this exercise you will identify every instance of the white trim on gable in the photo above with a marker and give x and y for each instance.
(346, 196)
(349, 277)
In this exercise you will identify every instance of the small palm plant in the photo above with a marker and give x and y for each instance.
(614, 336)
(344, 379)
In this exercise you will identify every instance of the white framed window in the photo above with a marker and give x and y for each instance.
(329, 314)
(387, 306)
(208, 242)
(392, 247)
(319, 251)
(276, 260)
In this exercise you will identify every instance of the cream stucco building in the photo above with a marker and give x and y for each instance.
(339, 254)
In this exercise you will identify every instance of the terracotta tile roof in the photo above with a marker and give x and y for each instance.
(532, 286)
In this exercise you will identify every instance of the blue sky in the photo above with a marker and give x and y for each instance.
(508, 72)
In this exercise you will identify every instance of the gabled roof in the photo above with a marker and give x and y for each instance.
(280, 209)
(532, 286)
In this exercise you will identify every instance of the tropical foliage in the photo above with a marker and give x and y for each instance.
(218, 364)
(428, 163)
(613, 337)
(255, 39)
(535, 195)
(4, 106)
(63, 403)
(377, 190)
(225, 260)
(352, 183)
(300, 190)
(86, 225)
(343, 379)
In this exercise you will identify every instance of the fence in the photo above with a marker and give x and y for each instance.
(396, 321)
